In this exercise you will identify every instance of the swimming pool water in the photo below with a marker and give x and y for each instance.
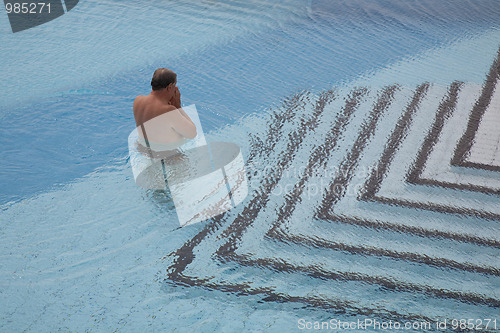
(84, 249)
(232, 78)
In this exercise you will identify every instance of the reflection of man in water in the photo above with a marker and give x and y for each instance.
(160, 115)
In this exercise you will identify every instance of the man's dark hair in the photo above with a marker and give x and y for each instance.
(162, 77)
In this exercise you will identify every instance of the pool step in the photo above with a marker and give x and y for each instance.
(398, 232)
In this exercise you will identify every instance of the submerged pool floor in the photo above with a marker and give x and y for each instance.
(359, 208)
(352, 218)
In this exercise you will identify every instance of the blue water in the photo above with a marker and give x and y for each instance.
(66, 111)
(86, 126)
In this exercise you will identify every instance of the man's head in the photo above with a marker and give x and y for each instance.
(162, 77)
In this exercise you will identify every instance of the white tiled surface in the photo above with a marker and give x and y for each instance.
(437, 167)
(486, 146)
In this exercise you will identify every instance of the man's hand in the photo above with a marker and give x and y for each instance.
(176, 99)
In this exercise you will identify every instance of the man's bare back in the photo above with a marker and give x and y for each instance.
(160, 112)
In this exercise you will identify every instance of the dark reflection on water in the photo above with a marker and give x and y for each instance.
(163, 202)
(410, 12)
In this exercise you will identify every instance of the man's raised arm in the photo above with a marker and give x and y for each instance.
(183, 124)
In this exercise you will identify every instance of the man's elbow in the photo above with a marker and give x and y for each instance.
(192, 134)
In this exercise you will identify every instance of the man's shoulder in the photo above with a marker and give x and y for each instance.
(139, 102)
(139, 99)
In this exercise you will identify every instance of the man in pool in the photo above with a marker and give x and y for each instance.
(161, 116)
